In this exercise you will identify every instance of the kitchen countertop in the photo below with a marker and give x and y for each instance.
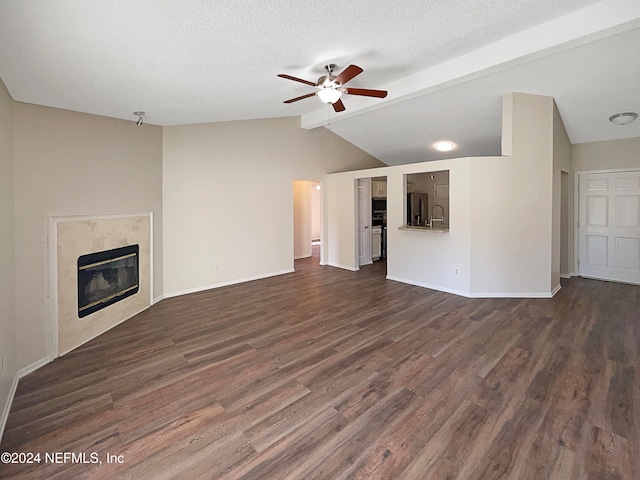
(424, 229)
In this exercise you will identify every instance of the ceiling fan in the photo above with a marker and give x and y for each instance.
(330, 87)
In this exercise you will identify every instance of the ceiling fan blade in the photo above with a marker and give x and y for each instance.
(365, 92)
(296, 79)
(347, 74)
(291, 100)
(338, 106)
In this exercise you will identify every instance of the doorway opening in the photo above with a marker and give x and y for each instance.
(565, 262)
(307, 219)
(371, 222)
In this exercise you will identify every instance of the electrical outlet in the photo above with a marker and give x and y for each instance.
(199, 269)
(217, 266)
(457, 270)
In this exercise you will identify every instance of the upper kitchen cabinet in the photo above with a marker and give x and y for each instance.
(378, 189)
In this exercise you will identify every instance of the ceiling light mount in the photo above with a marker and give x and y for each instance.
(140, 115)
(623, 118)
(330, 68)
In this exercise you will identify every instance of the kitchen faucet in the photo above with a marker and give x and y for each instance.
(435, 219)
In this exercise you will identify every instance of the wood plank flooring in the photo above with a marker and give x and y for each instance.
(330, 374)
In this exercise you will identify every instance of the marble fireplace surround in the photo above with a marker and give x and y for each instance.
(72, 236)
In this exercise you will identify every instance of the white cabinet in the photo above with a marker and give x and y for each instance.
(379, 189)
(376, 243)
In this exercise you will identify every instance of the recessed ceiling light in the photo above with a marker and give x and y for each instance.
(623, 118)
(444, 146)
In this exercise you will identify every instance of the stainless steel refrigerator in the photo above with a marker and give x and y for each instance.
(417, 209)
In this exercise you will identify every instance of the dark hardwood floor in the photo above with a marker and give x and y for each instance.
(331, 374)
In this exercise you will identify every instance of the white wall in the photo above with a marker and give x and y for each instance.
(228, 196)
(500, 237)
(69, 163)
(430, 259)
(7, 272)
(421, 258)
(511, 230)
(340, 225)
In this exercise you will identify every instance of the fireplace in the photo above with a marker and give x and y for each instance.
(107, 277)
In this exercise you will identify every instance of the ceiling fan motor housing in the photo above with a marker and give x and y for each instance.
(327, 81)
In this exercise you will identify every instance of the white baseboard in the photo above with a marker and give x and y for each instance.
(511, 295)
(158, 299)
(463, 293)
(19, 374)
(225, 284)
(429, 286)
(604, 279)
(565, 275)
(345, 267)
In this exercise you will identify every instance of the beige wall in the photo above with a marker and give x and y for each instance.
(511, 213)
(69, 163)
(609, 154)
(561, 234)
(228, 196)
(316, 212)
(7, 310)
(301, 218)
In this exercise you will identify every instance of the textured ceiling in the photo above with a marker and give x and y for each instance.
(445, 63)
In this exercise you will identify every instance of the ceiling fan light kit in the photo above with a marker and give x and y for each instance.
(329, 94)
(330, 87)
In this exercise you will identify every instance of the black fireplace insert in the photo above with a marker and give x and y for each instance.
(107, 277)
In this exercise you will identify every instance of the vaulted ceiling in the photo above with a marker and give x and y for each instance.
(446, 64)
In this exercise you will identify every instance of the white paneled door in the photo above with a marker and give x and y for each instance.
(609, 226)
(364, 220)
